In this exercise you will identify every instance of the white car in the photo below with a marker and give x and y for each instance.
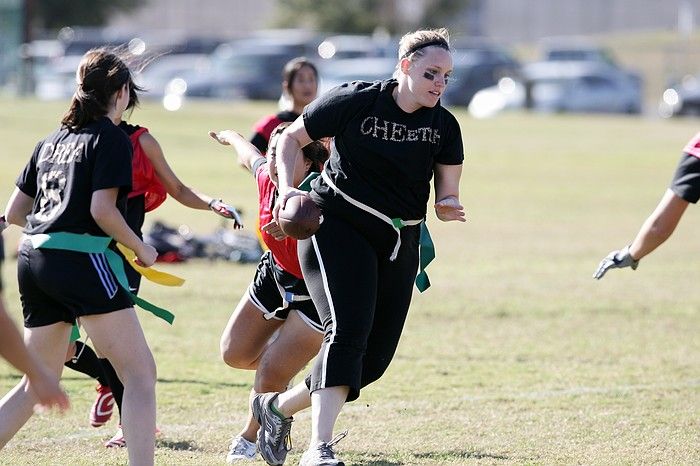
(581, 86)
(336, 72)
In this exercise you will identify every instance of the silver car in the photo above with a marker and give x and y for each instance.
(581, 86)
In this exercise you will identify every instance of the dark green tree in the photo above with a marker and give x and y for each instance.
(364, 16)
(54, 14)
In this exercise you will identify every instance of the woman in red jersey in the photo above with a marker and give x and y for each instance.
(277, 299)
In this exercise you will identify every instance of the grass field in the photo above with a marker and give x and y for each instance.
(514, 356)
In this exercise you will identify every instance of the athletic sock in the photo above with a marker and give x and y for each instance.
(114, 383)
(87, 362)
(277, 412)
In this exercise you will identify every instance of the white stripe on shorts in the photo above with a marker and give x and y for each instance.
(102, 267)
(326, 289)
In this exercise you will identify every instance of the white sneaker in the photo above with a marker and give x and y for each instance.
(322, 453)
(241, 450)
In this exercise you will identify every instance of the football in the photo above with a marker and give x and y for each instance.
(300, 217)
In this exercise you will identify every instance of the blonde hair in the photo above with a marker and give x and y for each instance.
(412, 45)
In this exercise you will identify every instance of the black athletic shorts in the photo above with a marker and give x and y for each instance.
(686, 180)
(276, 292)
(59, 286)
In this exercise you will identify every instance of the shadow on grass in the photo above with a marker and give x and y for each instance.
(462, 454)
(375, 459)
(63, 377)
(372, 463)
(207, 383)
(181, 445)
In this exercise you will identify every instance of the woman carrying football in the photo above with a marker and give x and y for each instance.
(389, 139)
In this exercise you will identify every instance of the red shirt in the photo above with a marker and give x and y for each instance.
(693, 146)
(285, 251)
(263, 128)
(144, 178)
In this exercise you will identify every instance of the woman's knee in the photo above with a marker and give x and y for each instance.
(271, 379)
(237, 357)
(142, 374)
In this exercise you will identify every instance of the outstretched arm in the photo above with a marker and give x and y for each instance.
(41, 380)
(177, 189)
(659, 226)
(655, 230)
(447, 206)
(248, 154)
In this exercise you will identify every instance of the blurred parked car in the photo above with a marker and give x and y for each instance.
(580, 86)
(248, 68)
(155, 77)
(40, 56)
(351, 46)
(336, 72)
(474, 69)
(554, 86)
(681, 98)
(57, 80)
(562, 49)
(507, 94)
(477, 66)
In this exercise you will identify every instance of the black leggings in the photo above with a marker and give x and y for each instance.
(361, 297)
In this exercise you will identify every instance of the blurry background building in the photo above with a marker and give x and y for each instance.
(505, 20)
(528, 20)
(223, 18)
(623, 54)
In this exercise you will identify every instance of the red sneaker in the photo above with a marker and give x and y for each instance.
(102, 408)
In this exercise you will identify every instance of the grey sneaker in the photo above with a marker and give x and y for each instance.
(274, 435)
(241, 450)
(322, 454)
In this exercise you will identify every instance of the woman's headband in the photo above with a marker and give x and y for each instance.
(439, 42)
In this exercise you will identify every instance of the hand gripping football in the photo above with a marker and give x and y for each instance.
(300, 217)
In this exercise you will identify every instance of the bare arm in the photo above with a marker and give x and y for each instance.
(288, 149)
(176, 188)
(42, 381)
(12, 347)
(104, 210)
(659, 226)
(248, 154)
(447, 206)
(18, 207)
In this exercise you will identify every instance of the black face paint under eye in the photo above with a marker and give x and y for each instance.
(429, 76)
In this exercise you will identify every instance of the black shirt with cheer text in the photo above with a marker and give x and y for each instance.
(382, 156)
(64, 171)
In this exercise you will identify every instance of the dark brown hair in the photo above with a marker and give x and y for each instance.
(101, 73)
(292, 68)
